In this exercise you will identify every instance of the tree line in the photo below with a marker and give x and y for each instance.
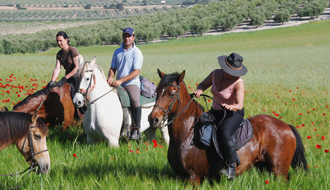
(197, 20)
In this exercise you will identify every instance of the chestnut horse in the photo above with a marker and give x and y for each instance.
(274, 146)
(29, 134)
(55, 104)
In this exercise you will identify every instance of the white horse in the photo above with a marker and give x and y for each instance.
(104, 118)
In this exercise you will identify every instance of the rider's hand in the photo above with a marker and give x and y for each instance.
(62, 81)
(226, 106)
(51, 84)
(117, 83)
(198, 93)
(109, 81)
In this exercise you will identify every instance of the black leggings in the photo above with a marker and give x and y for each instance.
(228, 125)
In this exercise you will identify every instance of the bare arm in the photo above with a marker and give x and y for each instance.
(56, 70)
(129, 77)
(111, 74)
(76, 66)
(205, 84)
(239, 88)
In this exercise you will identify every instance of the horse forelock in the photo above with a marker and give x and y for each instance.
(81, 71)
(167, 80)
(41, 92)
(14, 125)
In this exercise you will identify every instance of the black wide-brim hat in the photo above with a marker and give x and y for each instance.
(232, 64)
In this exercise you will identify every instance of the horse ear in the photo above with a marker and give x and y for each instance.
(181, 77)
(93, 61)
(34, 117)
(81, 60)
(161, 74)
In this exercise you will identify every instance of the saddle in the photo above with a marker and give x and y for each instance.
(126, 105)
(205, 132)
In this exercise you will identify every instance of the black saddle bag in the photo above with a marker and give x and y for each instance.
(203, 131)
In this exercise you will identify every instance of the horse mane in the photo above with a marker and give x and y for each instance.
(168, 79)
(44, 91)
(81, 72)
(15, 125)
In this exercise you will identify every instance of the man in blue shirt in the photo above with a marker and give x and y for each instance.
(127, 60)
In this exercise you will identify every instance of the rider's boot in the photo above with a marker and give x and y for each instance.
(230, 157)
(135, 131)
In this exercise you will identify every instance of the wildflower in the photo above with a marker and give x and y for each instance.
(267, 182)
(75, 155)
(326, 150)
(318, 146)
(309, 137)
(323, 138)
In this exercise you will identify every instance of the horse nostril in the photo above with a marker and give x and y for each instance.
(156, 121)
(47, 166)
(79, 102)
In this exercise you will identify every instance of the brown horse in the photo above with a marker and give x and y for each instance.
(28, 133)
(56, 108)
(274, 146)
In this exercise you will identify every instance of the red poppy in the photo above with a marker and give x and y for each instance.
(303, 125)
(326, 150)
(75, 155)
(293, 99)
(327, 106)
(314, 109)
(290, 91)
(315, 129)
(297, 87)
(131, 151)
(137, 152)
(267, 182)
(308, 112)
(309, 137)
(318, 146)
(300, 113)
(323, 138)
(324, 114)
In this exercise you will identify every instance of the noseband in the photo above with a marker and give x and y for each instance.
(33, 153)
(166, 112)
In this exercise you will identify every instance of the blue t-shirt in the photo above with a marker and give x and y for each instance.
(126, 62)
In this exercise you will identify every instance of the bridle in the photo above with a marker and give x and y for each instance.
(166, 112)
(90, 87)
(33, 154)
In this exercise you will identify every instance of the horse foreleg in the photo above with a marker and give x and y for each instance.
(195, 179)
(113, 142)
(150, 133)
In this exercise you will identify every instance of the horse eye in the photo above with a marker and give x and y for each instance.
(87, 79)
(37, 137)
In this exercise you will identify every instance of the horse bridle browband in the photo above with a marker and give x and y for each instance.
(33, 153)
(33, 164)
(166, 112)
(90, 88)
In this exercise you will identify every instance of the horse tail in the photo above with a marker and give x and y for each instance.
(299, 159)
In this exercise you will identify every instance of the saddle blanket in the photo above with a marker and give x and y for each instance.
(125, 101)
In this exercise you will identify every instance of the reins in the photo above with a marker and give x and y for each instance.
(177, 98)
(32, 166)
(90, 88)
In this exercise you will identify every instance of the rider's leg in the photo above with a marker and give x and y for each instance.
(134, 94)
(225, 130)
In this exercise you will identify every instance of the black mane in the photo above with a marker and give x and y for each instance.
(41, 92)
(168, 79)
(15, 125)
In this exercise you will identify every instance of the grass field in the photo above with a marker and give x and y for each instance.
(288, 74)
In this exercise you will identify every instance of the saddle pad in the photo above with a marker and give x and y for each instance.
(243, 134)
(125, 101)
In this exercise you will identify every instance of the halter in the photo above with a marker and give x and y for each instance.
(166, 112)
(85, 93)
(33, 164)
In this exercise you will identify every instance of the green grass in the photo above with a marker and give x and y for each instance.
(288, 74)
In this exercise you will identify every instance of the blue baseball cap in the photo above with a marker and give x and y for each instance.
(129, 31)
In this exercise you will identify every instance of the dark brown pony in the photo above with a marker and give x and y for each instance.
(274, 146)
(28, 133)
(56, 108)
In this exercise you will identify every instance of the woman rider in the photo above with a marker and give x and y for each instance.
(228, 90)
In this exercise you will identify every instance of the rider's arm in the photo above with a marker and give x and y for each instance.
(111, 74)
(129, 77)
(205, 84)
(239, 89)
(56, 70)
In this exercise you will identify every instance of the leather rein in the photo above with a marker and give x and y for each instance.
(85, 93)
(177, 98)
(33, 164)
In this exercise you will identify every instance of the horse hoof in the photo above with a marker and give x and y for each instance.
(135, 134)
